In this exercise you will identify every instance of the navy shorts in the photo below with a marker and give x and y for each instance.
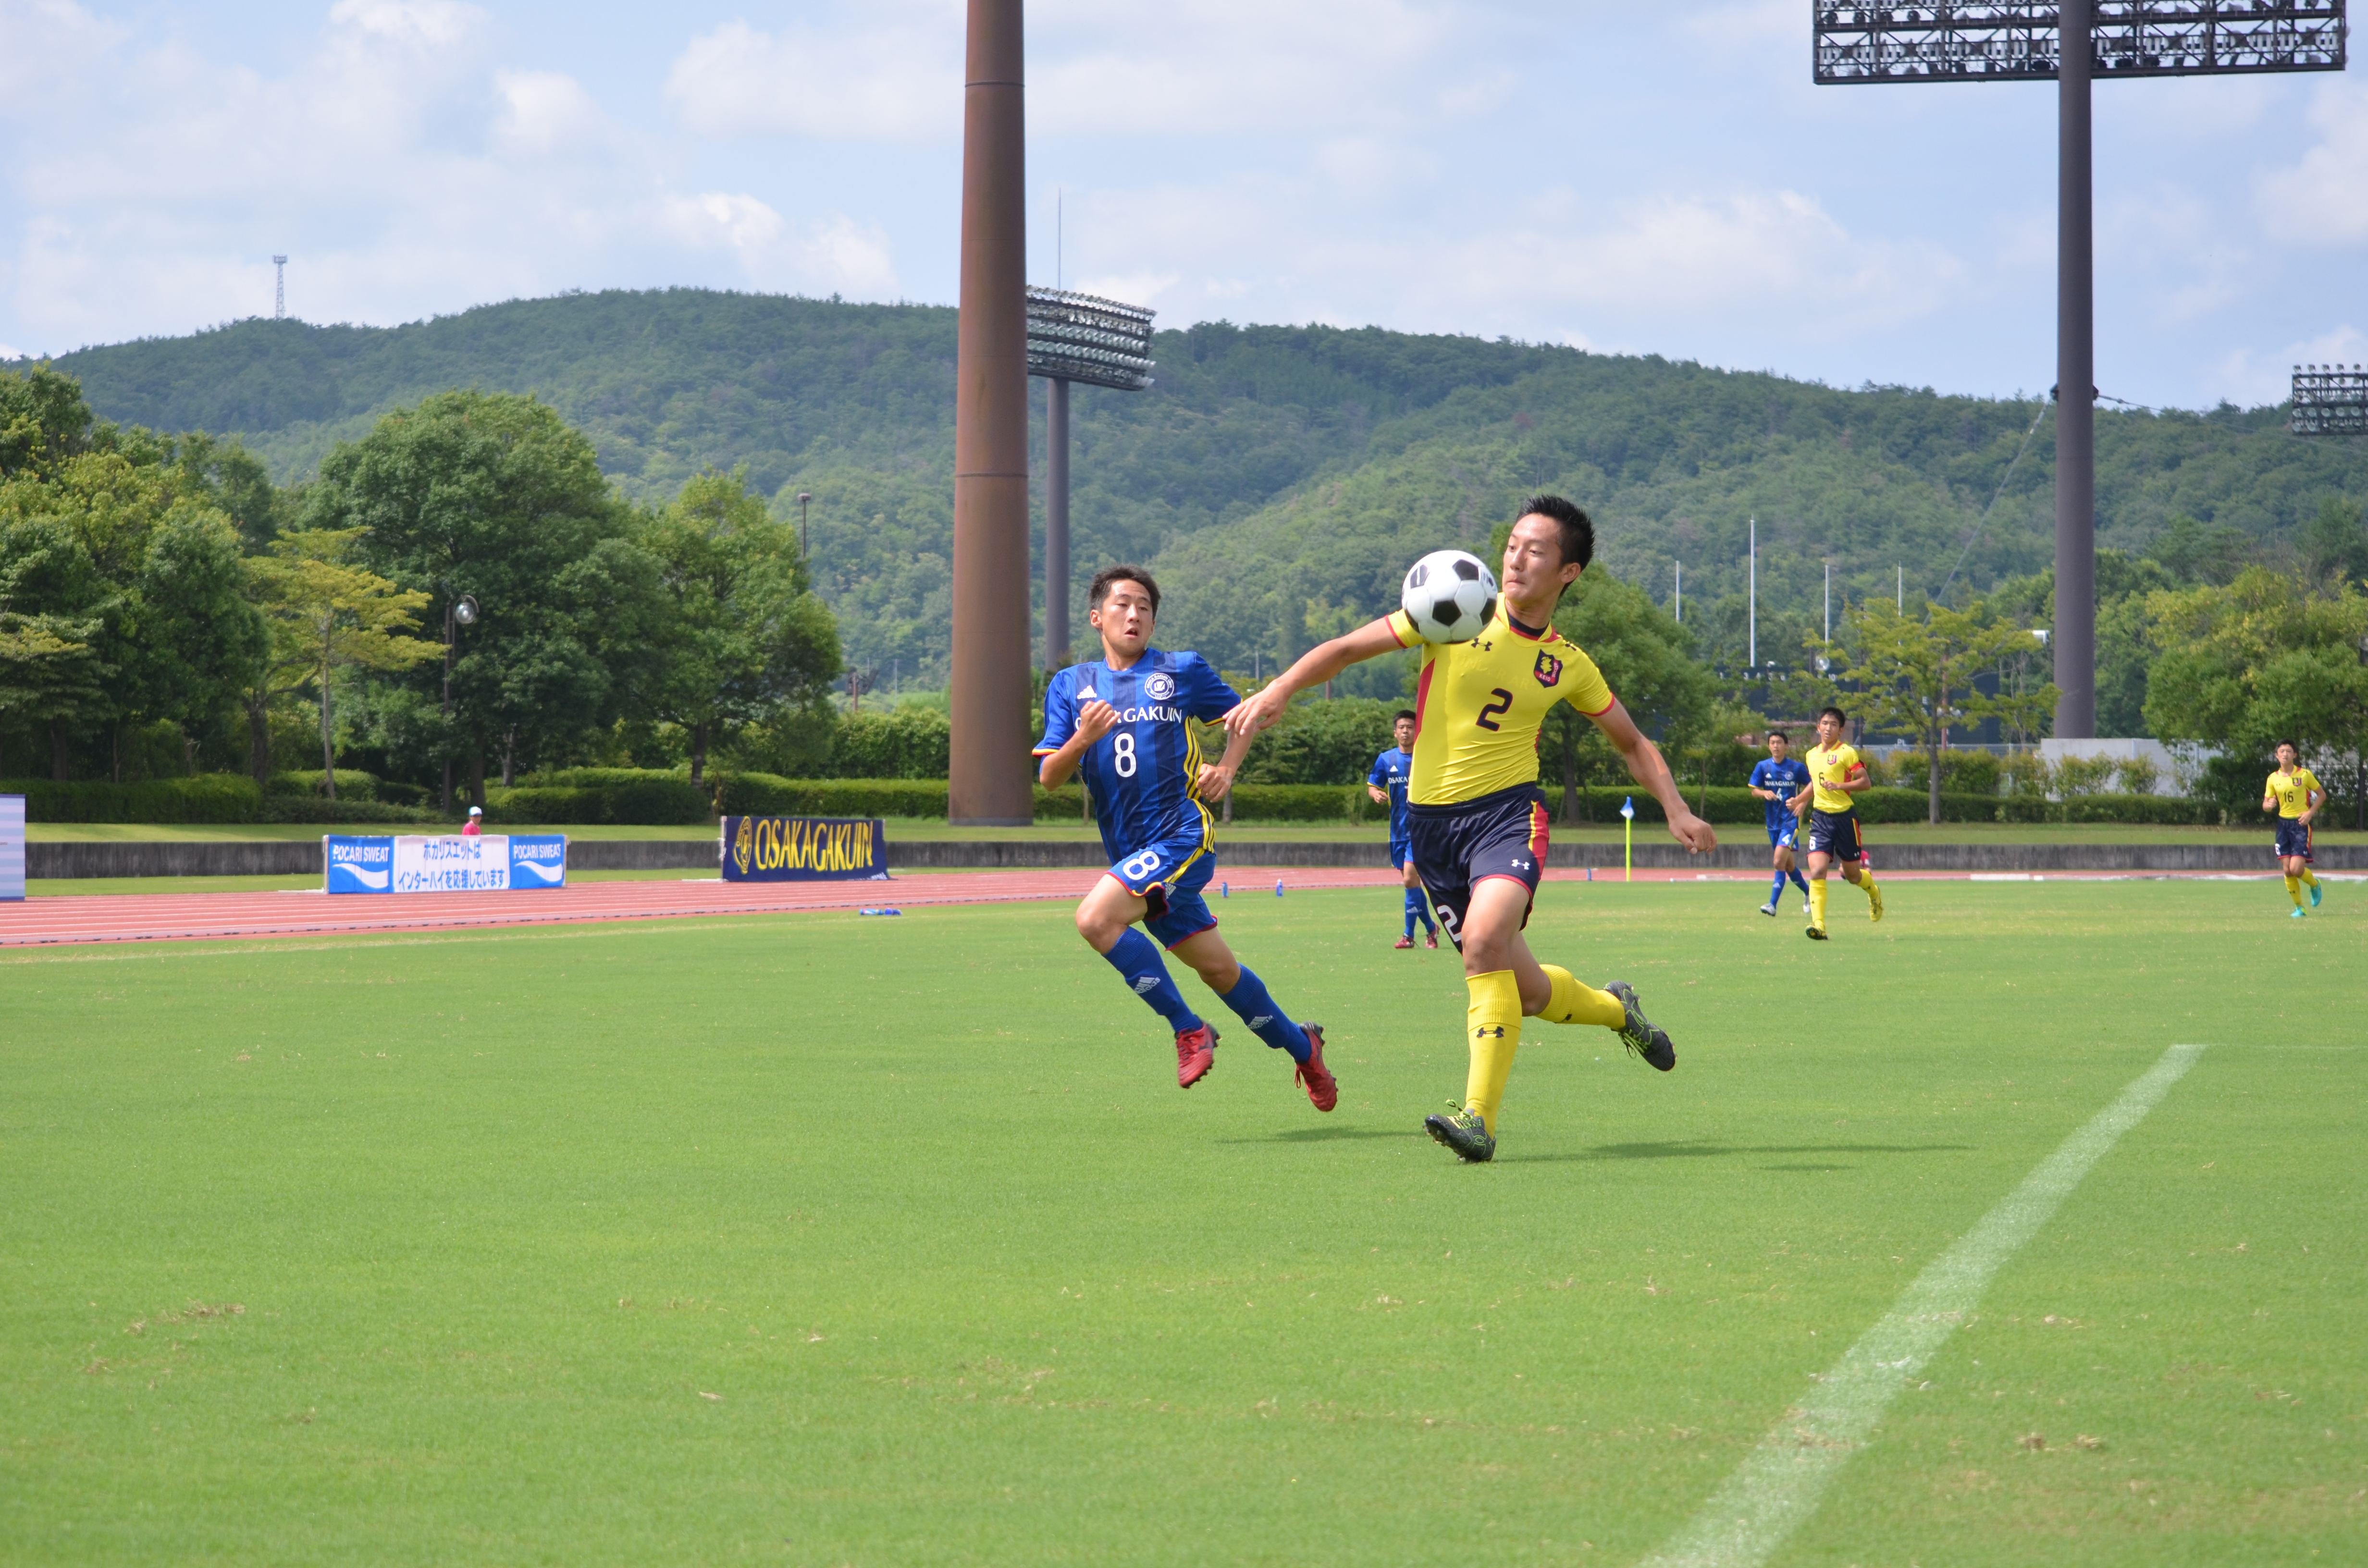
(1834, 834)
(1460, 846)
(1168, 875)
(2294, 837)
(1783, 834)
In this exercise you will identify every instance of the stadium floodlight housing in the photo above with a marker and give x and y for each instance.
(1082, 337)
(2330, 400)
(2072, 43)
(2022, 43)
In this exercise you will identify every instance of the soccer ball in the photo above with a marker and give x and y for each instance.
(1450, 597)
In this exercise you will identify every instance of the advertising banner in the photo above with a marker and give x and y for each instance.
(446, 863)
(12, 848)
(796, 849)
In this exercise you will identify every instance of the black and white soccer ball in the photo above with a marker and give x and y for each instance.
(1450, 596)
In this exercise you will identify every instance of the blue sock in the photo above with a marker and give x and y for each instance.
(1136, 957)
(1414, 908)
(1777, 892)
(1420, 902)
(1799, 881)
(1249, 998)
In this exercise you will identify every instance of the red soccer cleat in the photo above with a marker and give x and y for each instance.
(1430, 941)
(1196, 1052)
(1322, 1088)
(1406, 942)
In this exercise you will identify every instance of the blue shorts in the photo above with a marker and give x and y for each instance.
(1401, 851)
(1168, 875)
(1834, 834)
(1783, 834)
(2294, 837)
(1460, 846)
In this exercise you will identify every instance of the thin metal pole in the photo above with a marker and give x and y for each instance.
(2076, 380)
(1056, 524)
(1681, 591)
(1830, 601)
(1899, 591)
(445, 803)
(1755, 594)
(988, 783)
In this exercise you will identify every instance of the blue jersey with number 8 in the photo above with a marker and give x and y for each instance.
(1141, 773)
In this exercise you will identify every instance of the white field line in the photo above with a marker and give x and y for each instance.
(1776, 1490)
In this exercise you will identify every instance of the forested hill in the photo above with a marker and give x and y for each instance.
(1280, 478)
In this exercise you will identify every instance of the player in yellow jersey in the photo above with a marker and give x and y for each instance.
(2295, 795)
(1476, 818)
(1836, 776)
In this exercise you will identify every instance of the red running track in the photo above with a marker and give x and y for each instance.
(152, 917)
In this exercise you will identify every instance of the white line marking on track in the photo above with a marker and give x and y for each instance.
(1778, 1488)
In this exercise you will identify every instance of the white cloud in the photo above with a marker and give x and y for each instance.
(895, 77)
(2254, 380)
(2323, 199)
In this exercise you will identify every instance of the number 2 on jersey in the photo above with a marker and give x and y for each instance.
(1486, 719)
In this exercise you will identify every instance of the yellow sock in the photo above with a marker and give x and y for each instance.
(1817, 903)
(2307, 877)
(1494, 1022)
(1866, 880)
(1575, 1002)
(2294, 890)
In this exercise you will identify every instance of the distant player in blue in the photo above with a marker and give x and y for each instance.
(1776, 779)
(1124, 720)
(1392, 771)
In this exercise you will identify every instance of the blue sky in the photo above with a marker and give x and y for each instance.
(1655, 178)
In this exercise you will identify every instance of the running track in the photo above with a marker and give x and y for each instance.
(152, 918)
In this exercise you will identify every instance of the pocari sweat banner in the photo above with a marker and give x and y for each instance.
(445, 863)
(793, 849)
(12, 848)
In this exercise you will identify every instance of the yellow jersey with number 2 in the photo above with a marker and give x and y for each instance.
(1830, 766)
(2293, 790)
(1478, 706)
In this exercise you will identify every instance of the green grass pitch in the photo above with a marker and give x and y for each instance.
(818, 1240)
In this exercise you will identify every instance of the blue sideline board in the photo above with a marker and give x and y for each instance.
(12, 848)
(444, 863)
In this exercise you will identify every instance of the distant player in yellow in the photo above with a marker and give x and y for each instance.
(1476, 818)
(1836, 776)
(2295, 795)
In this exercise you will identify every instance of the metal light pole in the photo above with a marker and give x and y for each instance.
(1076, 338)
(458, 613)
(805, 544)
(988, 783)
(1752, 648)
(1056, 523)
(2076, 380)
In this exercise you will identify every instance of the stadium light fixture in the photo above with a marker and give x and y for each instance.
(2070, 43)
(1103, 343)
(2330, 400)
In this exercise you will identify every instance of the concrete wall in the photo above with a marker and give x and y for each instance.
(302, 857)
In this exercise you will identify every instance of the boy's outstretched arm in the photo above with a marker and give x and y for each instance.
(1315, 668)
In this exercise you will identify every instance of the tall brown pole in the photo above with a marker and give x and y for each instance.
(2076, 378)
(1056, 523)
(988, 784)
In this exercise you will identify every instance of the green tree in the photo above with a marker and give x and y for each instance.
(492, 497)
(1648, 661)
(745, 638)
(325, 614)
(1914, 676)
(2334, 543)
(2266, 658)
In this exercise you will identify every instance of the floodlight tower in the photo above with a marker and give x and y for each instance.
(1076, 338)
(2029, 40)
(280, 288)
(987, 783)
(2330, 400)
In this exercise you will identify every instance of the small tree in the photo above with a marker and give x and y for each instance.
(324, 613)
(1917, 677)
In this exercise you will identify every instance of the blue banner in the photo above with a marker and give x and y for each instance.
(539, 861)
(795, 849)
(12, 848)
(358, 865)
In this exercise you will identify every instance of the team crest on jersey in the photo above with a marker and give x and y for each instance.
(1159, 687)
(1549, 669)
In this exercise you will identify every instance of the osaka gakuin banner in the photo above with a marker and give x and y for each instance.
(791, 849)
(451, 863)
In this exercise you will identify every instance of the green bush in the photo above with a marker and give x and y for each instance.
(352, 785)
(911, 741)
(210, 797)
(1316, 743)
(619, 796)
(765, 795)
(329, 813)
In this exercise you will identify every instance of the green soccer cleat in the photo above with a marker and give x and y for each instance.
(2313, 895)
(1637, 1030)
(1463, 1131)
(2297, 912)
(1874, 903)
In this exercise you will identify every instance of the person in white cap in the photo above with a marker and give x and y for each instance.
(476, 822)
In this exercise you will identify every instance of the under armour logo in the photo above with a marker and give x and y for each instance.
(1145, 984)
(1487, 1032)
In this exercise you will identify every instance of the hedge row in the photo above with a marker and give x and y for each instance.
(639, 800)
(210, 797)
(1730, 804)
(352, 784)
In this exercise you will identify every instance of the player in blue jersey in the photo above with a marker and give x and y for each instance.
(1392, 771)
(1125, 720)
(1776, 779)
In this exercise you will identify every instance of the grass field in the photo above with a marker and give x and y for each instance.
(818, 1240)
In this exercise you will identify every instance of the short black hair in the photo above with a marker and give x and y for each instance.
(1408, 714)
(1578, 529)
(2296, 746)
(1780, 735)
(1098, 589)
(1839, 717)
